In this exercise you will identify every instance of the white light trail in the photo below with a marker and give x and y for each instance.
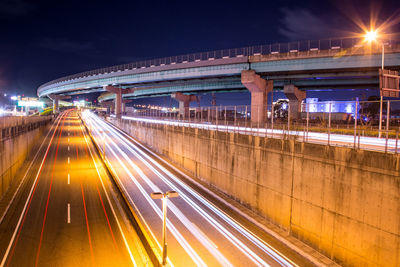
(186, 222)
(273, 253)
(349, 139)
(241, 246)
(182, 241)
(69, 213)
(109, 202)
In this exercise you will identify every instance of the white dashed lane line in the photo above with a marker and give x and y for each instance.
(69, 214)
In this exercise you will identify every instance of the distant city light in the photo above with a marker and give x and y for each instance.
(22, 103)
(13, 98)
(349, 108)
(5, 94)
(80, 103)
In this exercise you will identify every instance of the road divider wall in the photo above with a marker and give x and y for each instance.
(341, 201)
(17, 137)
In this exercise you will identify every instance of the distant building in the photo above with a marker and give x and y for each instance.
(312, 105)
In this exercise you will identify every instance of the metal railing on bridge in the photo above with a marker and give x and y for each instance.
(278, 48)
(321, 122)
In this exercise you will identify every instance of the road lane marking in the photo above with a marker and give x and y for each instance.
(68, 133)
(68, 139)
(68, 178)
(69, 213)
(29, 197)
(68, 148)
(68, 160)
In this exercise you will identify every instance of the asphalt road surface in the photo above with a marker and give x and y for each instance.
(65, 211)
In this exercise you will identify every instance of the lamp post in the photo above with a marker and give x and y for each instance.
(372, 36)
(164, 197)
(381, 98)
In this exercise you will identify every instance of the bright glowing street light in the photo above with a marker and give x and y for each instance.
(372, 36)
(164, 197)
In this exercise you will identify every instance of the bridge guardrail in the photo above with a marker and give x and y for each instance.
(291, 47)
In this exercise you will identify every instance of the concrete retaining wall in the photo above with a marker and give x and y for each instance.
(343, 202)
(17, 136)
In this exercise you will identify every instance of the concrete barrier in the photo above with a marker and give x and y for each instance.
(17, 136)
(343, 202)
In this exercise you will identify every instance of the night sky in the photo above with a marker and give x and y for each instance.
(44, 40)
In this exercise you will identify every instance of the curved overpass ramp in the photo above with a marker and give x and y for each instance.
(339, 65)
(221, 70)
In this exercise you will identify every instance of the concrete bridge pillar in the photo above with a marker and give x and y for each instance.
(55, 105)
(259, 89)
(124, 102)
(118, 96)
(295, 97)
(109, 105)
(56, 99)
(184, 101)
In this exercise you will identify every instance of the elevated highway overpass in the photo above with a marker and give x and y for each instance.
(294, 68)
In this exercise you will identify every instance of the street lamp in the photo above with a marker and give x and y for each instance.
(372, 36)
(164, 197)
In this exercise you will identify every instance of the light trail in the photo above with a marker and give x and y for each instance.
(314, 136)
(195, 257)
(223, 215)
(29, 198)
(98, 126)
(27, 171)
(108, 199)
(256, 259)
(68, 213)
(240, 228)
(47, 227)
(244, 249)
(199, 235)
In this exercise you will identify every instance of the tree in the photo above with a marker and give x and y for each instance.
(369, 111)
(281, 108)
